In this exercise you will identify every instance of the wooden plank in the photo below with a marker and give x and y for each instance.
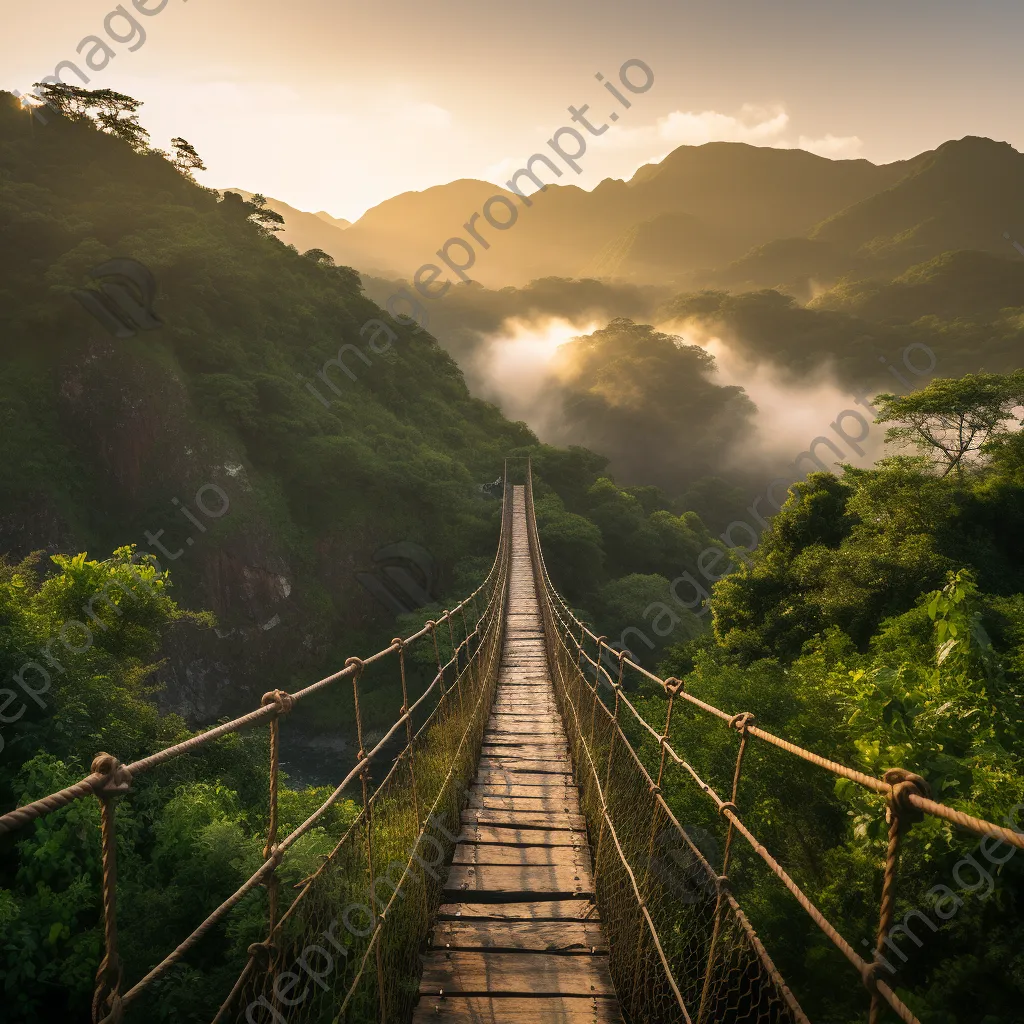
(490, 778)
(523, 910)
(521, 836)
(494, 853)
(509, 713)
(527, 974)
(579, 937)
(557, 803)
(515, 711)
(512, 763)
(559, 785)
(501, 880)
(525, 746)
(457, 1009)
(540, 731)
(511, 753)
(521, 819)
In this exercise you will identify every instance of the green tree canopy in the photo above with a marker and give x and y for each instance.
(952, 421)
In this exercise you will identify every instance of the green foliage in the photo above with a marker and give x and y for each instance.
(189, 835)
(880, 624)
(83, 640)
(952, 421)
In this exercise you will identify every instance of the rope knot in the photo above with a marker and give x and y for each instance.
(728, 805)
(655, 789)
(741, 721)
(903, 784)
(358, 662)
(869, 975)
(111, 1008)
(399, 641)
(673, 686)
(118, 779)
(261, 952)
(722, 884)
(283, 700)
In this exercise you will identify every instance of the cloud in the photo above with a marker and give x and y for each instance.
(754, 125)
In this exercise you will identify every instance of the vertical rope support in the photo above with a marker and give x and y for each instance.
(432, 626)
(597, 686)
(263, 952)
(900, 815)
(611, 753)
(672, 686)
(455, 657)
(408, 729)
(740, 722)
(106, 1000)
(283, 701)
(364, 778)
(409, 746)
(469, 652)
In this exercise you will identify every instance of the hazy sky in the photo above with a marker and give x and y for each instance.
(328, 104)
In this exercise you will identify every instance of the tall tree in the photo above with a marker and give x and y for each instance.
(186, 159)
(70, 101)
(266, 218)
(115, 113)
(952, 421)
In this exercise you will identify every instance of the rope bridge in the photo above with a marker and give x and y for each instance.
(349, 942)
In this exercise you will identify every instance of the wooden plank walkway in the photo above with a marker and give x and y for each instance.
(517, 938)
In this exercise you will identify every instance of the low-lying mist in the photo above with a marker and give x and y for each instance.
(730, 387)
(792, 409)
(514, 368)
(524, 367)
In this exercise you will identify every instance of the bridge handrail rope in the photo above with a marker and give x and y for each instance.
(473, 662)
(907, 797)
(686, 960)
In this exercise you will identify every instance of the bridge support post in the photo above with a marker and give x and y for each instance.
(364, 778)
(899, 815)
(740, 722)
(608, 772)
(106, 1001)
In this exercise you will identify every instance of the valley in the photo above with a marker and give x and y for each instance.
(771, 404)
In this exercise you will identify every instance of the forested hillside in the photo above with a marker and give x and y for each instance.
(881, 623)
(310, 466)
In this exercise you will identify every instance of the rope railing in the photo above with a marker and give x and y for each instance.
(697, 959)
(353, 948)
(342, 942)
